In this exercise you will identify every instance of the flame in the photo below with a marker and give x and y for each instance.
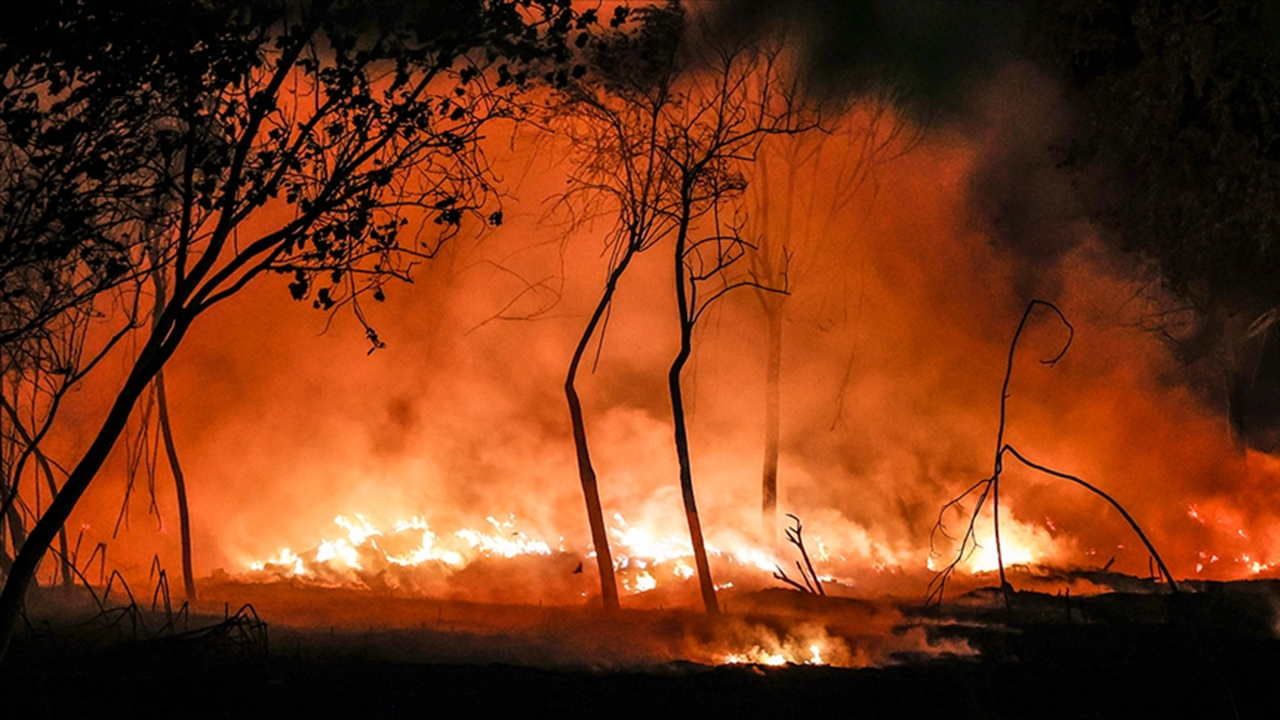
(644, 560)
(412, 556)
(367, 548)
(1020, 544)
(809, 646)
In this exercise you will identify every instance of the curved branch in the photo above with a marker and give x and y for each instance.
(1100, 493)
(1004, 398)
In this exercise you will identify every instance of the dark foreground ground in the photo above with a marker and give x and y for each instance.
(1211, 653)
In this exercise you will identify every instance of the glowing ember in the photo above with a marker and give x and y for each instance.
(790, 651)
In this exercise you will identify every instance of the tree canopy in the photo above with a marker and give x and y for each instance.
(334, 141)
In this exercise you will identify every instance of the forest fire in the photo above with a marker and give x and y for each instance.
(605, 337)
(408, 555)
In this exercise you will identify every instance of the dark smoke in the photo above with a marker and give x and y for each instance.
(1146, 129)
(930, 53)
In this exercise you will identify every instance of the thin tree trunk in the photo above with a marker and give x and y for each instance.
(772, 378)
(170, 448)
(591, 495)
(686, 480)
(586, 470)
(7, 512)
(15, 517)
(180, 484)
(687, 318)
(17, 533)
(65, 565)
(158, 349)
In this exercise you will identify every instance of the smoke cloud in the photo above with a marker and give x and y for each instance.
(894, 352)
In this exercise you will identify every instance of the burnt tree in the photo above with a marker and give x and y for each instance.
(803, 187)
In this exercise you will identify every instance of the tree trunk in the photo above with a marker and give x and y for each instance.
(153, 356)
(686, 480)
(15, 517)
(180, 484)
(591, 495)
(772, 378)
(17, 533)
(688, 317)
(586, 471)
(170, 448)
(65, 565)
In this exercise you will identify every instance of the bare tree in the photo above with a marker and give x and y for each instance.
(612, 121)
(305, 135)
(735, 95)
(989, 488)
(660, 127)
(803, 187)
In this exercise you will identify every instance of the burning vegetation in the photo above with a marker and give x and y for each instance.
(618, 336)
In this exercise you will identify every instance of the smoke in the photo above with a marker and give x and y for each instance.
(930, 52)
(894, 352)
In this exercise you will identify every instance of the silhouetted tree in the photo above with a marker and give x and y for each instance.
(735, 95)
(303, 136)
(662, 124)
(77, 186)
(989, 488)
(612, 121)
(805, 187)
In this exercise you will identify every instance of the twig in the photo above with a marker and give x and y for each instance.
(812, 584)
(990, 487)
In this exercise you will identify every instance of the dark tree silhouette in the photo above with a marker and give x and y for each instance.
(612, 120)
(736, 94)
(989, 488)
(163, 423)
(304, 138)
(77, 185)
(662, 125)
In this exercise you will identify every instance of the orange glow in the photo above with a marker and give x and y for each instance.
(806, 645)
(900, 315)
(1021, 544)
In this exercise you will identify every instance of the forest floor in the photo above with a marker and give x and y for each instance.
(1136, 651)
